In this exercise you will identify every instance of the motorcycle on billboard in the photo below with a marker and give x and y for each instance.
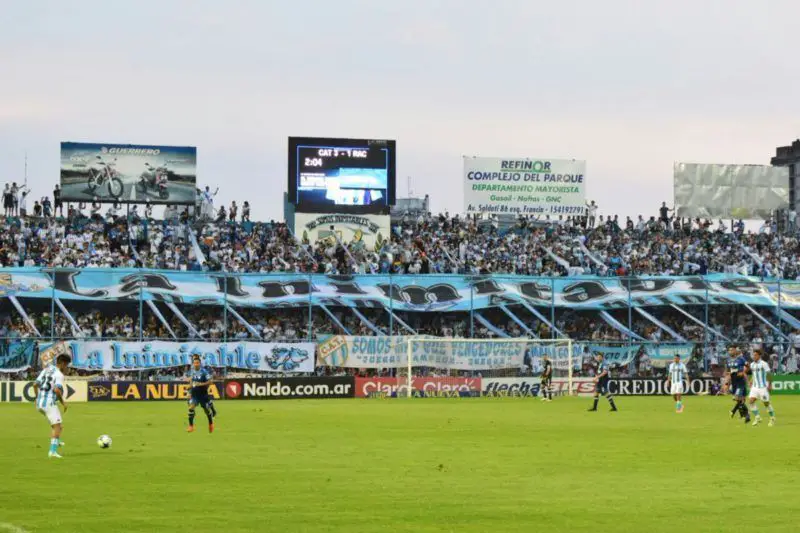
(155, 179)
(104, 173)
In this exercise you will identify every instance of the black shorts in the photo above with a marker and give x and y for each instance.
(547, 381)
(739, 389)
(601, 387)
(200, 398)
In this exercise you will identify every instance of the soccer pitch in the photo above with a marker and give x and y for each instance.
(430, 465)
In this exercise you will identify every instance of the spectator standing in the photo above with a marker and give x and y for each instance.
(47, 207)
(208, 202)
(246, 211)
(663, 213)
(791, 221)
(232, 212)
(591, 213)
(15, 198)
(8, 203)
(58, 206)
(23, 201)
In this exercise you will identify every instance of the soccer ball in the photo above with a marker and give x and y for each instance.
(104, 441)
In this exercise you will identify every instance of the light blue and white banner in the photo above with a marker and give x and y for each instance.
(660, 354)
(400, 292)
(393, 352)
(16, 356)
(482, 354)
(129, 356)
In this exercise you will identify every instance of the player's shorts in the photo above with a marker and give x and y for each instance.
(739, 390)
(676, 388)
(52, 413)
(547, 381)
(760, 393)
(199, 398)
(601, 387)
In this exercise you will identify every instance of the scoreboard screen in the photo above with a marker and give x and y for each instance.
(341, 174)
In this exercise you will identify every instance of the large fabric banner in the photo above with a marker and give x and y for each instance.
(392, 352)
(128, 173)
(16, 356)
(367, 231)
(524, 186)
(481, 354)
(402, 292)
(661, 355)
(146, 355)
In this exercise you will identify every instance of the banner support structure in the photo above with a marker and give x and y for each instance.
(161, 318)
(241, 319)
(192, 330)
(375, 329)
(335, 320)
(76, 330)
(23, 314)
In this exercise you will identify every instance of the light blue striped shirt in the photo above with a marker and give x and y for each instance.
(49, 380)
(759, 370)
(677, 372)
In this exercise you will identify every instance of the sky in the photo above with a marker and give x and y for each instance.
(629, 86)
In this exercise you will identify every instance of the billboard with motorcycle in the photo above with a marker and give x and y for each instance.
(128, 173)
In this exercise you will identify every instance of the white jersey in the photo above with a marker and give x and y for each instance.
(677, 372)
(759, 371)
(49, 380)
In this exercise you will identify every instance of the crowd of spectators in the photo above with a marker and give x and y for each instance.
(419, 243)
(731, 325)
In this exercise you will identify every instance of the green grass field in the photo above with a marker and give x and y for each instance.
(422, 465)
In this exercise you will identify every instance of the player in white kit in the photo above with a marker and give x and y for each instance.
(49, 388)
(676, 373)
(759, 388)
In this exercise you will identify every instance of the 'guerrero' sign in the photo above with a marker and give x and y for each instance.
(263, 356)
(128, 173)
(524, 186)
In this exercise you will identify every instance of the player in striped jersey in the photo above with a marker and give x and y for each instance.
(49, 389)
(676, 373)
(760, 384)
